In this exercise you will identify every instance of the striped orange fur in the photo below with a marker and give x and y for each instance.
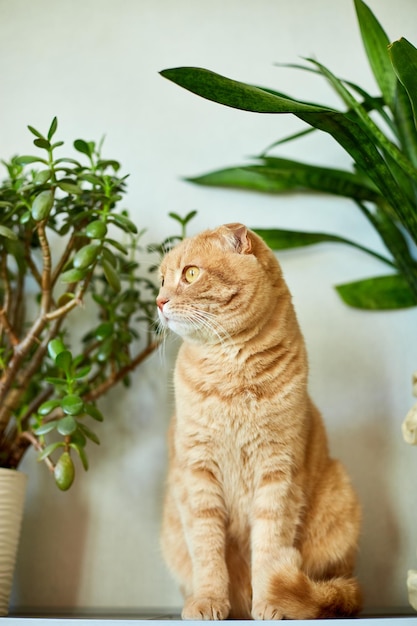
(259, 522)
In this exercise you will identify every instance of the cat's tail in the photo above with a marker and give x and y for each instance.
(300, 597)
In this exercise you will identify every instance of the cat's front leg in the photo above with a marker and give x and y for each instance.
(204, 522)
(275, 517)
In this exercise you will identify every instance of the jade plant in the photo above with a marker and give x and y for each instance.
(66, 245)
(378, 132)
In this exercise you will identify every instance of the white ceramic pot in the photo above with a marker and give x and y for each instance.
(12, 497)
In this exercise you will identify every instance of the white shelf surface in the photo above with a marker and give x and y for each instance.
(114, 617)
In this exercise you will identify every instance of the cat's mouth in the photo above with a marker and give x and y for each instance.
(168, 321)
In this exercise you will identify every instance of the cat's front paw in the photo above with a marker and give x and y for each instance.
(266, 611)
(206, 608)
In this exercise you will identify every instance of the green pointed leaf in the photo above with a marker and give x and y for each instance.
(52, 128)
(380, 293)
(377, 136)
(276, 175)
(234, 93)
(376, 42)
(72, 404)
(116, 244)
(124, 222)
(405, 125)
(94, 412)
(35, 132)
(89, 433)
(67, 426)
(82, 372)
(404, 59)
(42, 205)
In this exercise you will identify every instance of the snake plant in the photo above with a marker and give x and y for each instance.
(379, 133)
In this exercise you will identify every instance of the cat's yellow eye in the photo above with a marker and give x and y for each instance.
(191, 273)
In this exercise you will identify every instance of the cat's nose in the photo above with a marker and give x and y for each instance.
(160, 301)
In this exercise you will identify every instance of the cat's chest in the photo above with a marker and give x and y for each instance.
(225, 441)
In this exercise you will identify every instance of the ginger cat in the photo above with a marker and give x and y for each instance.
(259, 522)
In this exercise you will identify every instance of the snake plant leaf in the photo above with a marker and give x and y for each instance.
(283, 239)
(375, 41)
(235, 94)
(366, 122)
(381, 293)
(275, 175)
(394, 239)
(404, 60)
(405, 125)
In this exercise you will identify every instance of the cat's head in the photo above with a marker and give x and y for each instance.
(217, 284)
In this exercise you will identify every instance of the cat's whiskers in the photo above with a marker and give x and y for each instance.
(201, 319)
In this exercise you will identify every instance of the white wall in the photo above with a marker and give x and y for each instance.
(95, 64)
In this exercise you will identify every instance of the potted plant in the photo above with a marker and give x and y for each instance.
(64, 244)
(379, 133)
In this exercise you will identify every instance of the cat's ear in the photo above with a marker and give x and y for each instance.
(238, 238)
